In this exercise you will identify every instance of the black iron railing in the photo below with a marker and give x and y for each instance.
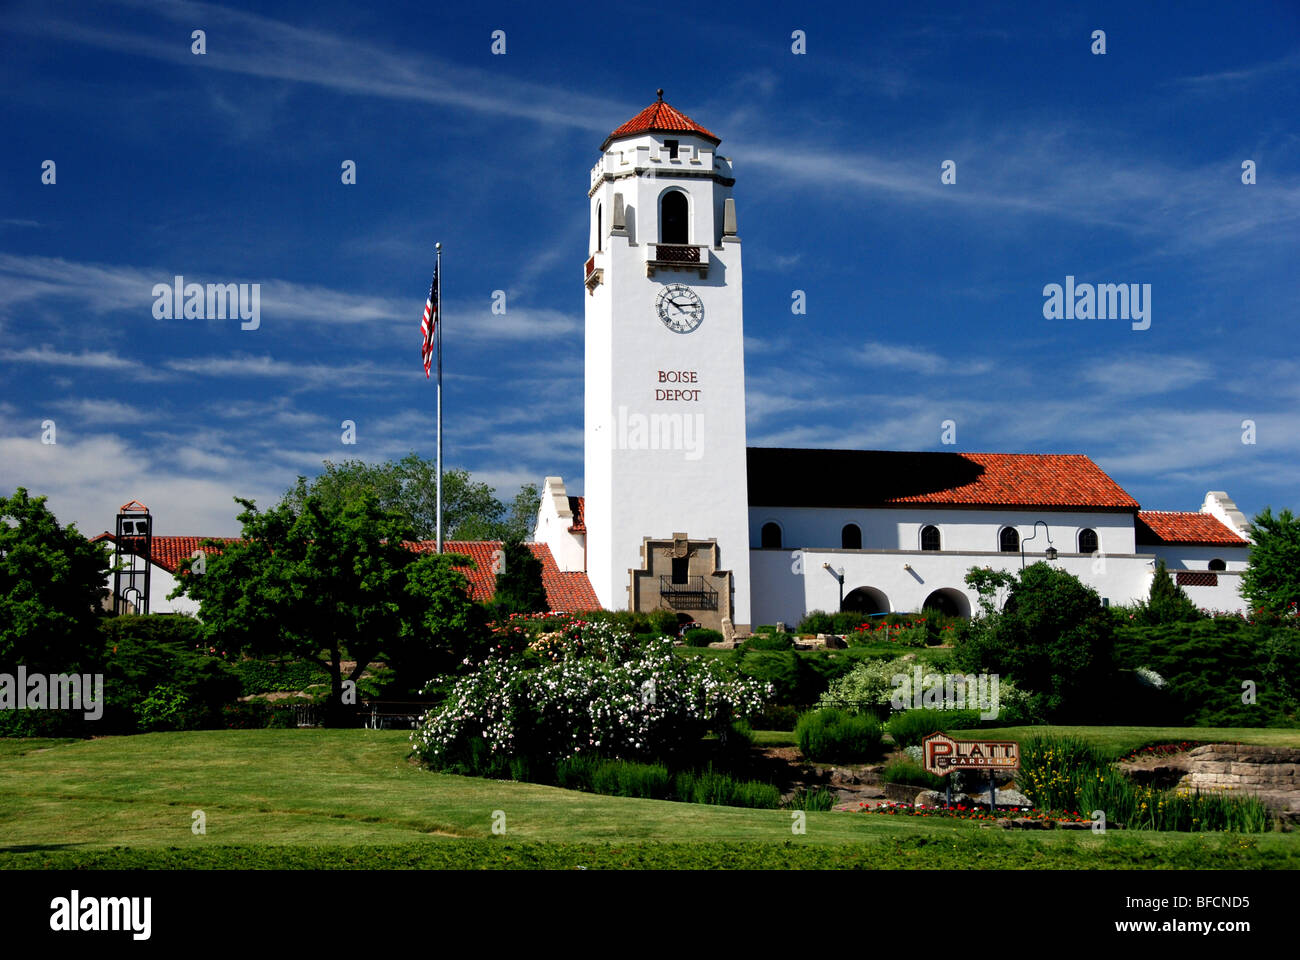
(692, 594)
(677, 253)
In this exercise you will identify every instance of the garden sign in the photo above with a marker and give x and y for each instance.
(942, 754)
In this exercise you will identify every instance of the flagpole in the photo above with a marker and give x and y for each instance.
(438, 347)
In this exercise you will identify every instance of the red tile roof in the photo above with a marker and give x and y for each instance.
(1170, 526)
(659, 117)
(168, 552)
(564, 591)
(885, 478)
(576, 507)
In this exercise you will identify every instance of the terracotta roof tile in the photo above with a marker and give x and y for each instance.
(659, 117)
(168, 552)
(564, 591)
(884, 478)
(576, 507)
(1170, 526)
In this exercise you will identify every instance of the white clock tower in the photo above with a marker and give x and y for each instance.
(665, 489)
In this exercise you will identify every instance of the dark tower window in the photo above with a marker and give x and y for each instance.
(599, 232)
(770, 536)
(672, 218)
(930, 538)
(1009, 540)
(671, 145)
(1217, 564)
(1088, 542)
(681, 569)
(851, 537)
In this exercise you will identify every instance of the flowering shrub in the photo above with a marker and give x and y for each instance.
(909, 633)
(594, 690)
(1161, 750)
(870, 682)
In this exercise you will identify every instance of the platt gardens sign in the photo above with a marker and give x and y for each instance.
(942, 754)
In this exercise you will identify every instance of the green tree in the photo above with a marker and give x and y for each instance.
(52, 585)
(1054, 639)
(988, 583)
(519, 586)
(450, 627)
(330, 582)
(1271, 581)
(408, 487)
(1167, 602)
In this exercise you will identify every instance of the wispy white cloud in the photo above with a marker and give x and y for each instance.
(1156, 375)
(260, 46)
(1229, 82)
(45, 355)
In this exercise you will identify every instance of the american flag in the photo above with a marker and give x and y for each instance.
(429, 323)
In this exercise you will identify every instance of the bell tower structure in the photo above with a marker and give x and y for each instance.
(665, 485)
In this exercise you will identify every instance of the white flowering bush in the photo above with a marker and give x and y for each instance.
(597, 691)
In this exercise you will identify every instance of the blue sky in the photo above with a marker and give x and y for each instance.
(924, 299)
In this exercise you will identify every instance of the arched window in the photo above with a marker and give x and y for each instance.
(1217, 564)
(1009, 540)
(599, 232)
(930, 538)
(672, 218)
(770, 535)
(1088, 542)
(851, 537)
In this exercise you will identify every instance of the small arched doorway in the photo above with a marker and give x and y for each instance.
(866, 600)
(948, 601)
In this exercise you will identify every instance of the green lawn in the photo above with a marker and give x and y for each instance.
(340, 798)
(1117, 741)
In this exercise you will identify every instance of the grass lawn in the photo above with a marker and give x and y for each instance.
(350, 798)
(1115, 741)
(1118, 741)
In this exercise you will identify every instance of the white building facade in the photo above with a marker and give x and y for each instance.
(679, 514)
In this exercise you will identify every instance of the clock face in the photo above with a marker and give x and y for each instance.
(680, 308)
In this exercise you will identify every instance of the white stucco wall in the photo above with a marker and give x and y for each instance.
(554, 518)
(1192, 557)
(899, 528)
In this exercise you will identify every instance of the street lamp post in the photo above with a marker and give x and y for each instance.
(1050, 552)
(838, 575)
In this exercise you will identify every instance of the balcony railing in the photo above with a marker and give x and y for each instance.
(694, 594)
(677, 256)
(677, 253)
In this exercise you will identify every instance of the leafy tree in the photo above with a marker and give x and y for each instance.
(449, 628)
(327, 583)
(1054, 639)
(519, 586)
(145, 653)
(1271, 581)
(988, 583)
(52, 585)
(408, 487)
